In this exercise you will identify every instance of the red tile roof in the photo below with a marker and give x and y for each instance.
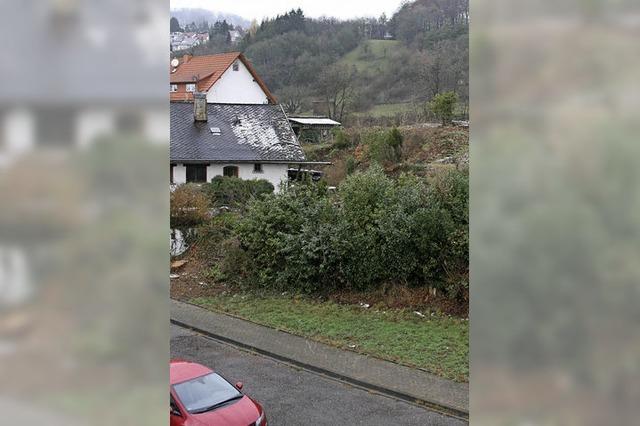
(206, 70)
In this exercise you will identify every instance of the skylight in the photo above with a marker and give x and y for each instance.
(215, 131)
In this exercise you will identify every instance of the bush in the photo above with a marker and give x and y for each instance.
(212, 233)
(350, 164)
(450, 191)
(269, 230)
(373, 231)
(310, 136)
(394, 140)
(235, 192)
(188, 206)
(341, 139)
(442, 106)
(384, 147)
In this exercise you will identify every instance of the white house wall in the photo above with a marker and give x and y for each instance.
(274, 173)
(237, 87)
(179, 173)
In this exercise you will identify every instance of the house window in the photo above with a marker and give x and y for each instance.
(191, 87)
(171, 173)
(196, 173)
(236, 66)
(230, 171)
(174, 88)
(257, 168)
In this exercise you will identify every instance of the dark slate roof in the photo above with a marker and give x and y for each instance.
(256, 132)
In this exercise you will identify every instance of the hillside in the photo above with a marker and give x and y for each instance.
(425, 150)
(349, 70)
(194, 15)
(371, 56)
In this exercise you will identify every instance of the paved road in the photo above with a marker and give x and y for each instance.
(296, 397)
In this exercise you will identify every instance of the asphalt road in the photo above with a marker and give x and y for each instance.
(296, 397)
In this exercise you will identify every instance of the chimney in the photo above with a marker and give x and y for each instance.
(199, 107)
(186, 58)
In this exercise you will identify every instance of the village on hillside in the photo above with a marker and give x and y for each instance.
(317, 192)
(319, 186)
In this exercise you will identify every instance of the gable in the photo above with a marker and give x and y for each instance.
(237, 86)
(208, 70)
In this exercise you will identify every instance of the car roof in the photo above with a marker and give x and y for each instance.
(181, 371)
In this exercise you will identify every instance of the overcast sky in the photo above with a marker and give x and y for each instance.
(259, 9)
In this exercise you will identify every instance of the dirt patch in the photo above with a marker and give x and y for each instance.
(190, 280)
(402, 297)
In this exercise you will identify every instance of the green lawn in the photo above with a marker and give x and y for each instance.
(387, 110)
(371, 56)
(437, 343)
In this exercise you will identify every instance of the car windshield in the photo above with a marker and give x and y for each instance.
(205, 393)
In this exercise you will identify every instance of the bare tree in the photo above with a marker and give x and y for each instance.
(292, 99)
(337, 88)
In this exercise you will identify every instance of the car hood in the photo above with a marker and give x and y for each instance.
(243, 412)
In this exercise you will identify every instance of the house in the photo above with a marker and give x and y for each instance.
(312, 129)
(183, 41)
(249, 141)
(224, 78)
(235, 36)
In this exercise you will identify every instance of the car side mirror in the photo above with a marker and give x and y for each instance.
(239, 385)
(174, 411)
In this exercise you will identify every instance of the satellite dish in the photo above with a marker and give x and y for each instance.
(175, 62)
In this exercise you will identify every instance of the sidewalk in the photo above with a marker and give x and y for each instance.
(361, 370)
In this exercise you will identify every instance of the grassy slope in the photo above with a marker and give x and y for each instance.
(388, 110)
(374, 62)
(438, 343)
(377, 58)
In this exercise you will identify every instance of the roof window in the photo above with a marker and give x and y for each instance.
(216, 131)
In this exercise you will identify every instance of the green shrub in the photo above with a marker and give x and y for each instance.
(341, 139)
(235, 192)
(350, 164)
(267, 228)
(374, 230)
(394, 140)
(442, 105)
(384, 147)
(309, 136)
(214, 273)
(212, 233)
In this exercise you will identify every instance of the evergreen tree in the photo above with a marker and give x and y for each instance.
(174, 26)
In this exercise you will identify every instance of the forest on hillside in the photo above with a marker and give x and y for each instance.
(347, 68)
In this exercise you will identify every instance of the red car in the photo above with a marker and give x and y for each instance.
(200, 397)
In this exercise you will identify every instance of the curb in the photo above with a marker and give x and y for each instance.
(433, 405)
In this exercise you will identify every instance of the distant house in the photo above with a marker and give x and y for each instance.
(184, 41)
(249, 141)
(235, 36)
(312, 129)
(224, 78)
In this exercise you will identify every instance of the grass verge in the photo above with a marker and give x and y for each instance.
(436, 343)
